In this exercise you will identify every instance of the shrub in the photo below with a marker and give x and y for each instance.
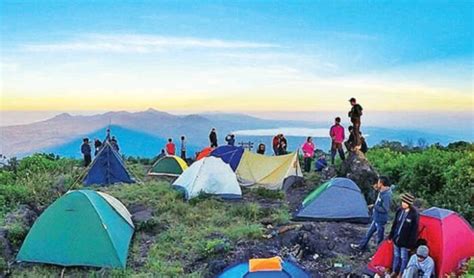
(440, 176)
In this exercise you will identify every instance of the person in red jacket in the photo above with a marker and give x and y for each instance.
(276, 144)
(337, 138)
(170, 147)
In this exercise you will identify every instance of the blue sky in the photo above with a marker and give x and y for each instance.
(191, 55)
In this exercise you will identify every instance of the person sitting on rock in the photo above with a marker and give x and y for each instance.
(421, 265)
(363, 147)
(350, 141)
(380, 212)
(321, 163)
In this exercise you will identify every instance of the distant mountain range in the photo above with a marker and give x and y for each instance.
(145, 133)
(60, 133)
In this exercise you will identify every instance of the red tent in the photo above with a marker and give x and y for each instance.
(204, 153)
(450, 238)
(382, 259)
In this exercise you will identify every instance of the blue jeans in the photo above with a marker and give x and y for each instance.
(400, 259)
(374, 226)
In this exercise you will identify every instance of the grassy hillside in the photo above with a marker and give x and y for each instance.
(193, 239)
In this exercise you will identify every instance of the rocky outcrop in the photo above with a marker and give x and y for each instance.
(357, 168)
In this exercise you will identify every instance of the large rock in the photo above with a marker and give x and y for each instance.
(357, 168)
(25, 215)
(6, 250)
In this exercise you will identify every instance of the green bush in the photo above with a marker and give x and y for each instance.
(442, 177)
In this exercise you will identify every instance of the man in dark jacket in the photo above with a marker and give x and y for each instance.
(114, 144)
(380, 211)
(404, 234)
(183, 148)
(282, 150)
(230, 139)
(86, 151)
(97, 146)
(213, 138)
(355, 114)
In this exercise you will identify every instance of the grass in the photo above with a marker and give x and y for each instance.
(181, 232)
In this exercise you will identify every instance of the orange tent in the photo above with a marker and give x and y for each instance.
(204, 153)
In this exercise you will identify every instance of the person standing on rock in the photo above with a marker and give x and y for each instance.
(337, 138)
(86, 151)
(404, 234)
(213, 138)
(170, 147)
(355, 114)
(183, 148)
(308, 153)
(380, 212)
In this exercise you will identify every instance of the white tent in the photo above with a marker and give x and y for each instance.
(209, 175)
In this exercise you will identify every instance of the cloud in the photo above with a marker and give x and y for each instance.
(141, 44)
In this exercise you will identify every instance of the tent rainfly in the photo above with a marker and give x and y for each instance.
(271, 172)
(82, 228)
(169, 165)
(107, 168)
(339, 199)
(229, 154)
(209, 175)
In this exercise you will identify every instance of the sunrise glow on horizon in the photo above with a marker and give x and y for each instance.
(239, 56)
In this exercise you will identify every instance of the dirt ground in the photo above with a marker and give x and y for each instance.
(322, 248)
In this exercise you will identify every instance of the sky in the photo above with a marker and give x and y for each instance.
(236, 56)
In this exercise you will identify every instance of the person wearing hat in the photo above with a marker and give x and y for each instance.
(355, 114)
(404, 233)
(421, 265)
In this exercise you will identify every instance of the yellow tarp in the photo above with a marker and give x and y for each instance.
(267, 171)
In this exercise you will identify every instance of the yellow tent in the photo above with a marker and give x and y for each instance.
(271, 172)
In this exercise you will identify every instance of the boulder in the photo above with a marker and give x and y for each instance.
(6, 250)
(357, 168)
(24, 215)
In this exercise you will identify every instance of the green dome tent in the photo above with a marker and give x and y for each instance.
(82, 228)
(169, 165)
(339, 199)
